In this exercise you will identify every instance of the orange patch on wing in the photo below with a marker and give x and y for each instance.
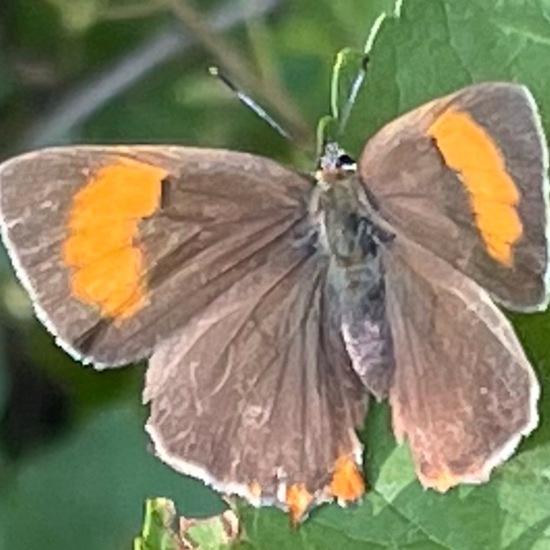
(442, 481)
(469, 150)
(106, 261)
(347, 482)
(255, 490)
(298, 500)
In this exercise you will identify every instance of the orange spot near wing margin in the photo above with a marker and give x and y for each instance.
(347, 484)
(298, 500)
(441, 481)
(469, 150)
(102, 249)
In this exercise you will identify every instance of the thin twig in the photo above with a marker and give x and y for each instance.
(131, 11)
(78, 105)
(238, 69)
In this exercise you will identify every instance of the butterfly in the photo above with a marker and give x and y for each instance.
(273, 305)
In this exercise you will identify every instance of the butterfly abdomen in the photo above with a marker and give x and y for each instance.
(352, 241)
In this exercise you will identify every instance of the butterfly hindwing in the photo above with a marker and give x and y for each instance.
(463, 391)
(257, 394)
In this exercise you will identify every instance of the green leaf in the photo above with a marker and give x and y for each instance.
(214, 533)
(88, 493)
(157, 533)
(159, 529)
(510, 512)
(437, 46)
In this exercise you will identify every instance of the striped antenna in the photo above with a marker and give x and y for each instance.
(360, 77)
(250, 103)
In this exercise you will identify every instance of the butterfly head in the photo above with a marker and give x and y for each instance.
(334, 165)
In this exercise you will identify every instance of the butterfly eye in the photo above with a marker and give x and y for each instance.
(345, 161)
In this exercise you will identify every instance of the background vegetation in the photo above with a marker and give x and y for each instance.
(74, 464)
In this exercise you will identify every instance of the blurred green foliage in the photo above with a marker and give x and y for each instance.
(74, 464)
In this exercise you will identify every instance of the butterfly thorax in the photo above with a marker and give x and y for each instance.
(338, 207)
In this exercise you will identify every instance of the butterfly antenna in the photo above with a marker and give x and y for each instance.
(354, 90)
(250, 103)
(360, 77)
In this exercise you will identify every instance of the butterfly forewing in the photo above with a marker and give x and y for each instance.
(465, 176)
(120, 246)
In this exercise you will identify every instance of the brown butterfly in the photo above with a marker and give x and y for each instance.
(273, 304)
